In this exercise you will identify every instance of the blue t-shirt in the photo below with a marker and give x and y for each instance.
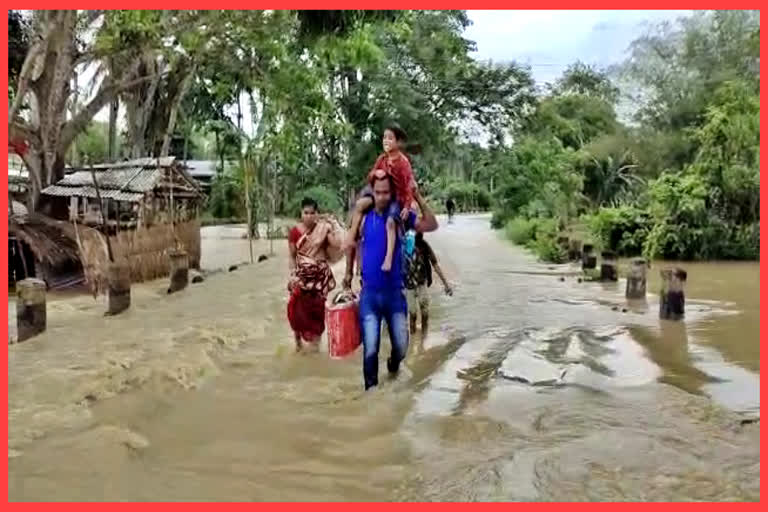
(373, 249)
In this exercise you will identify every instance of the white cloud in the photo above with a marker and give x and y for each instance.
(551, 40)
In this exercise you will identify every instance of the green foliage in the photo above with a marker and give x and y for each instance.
(580, 78)
(92, 144)
(684, 183)
(538, 235)
(623, 230)
(520, 231)
(467, 196)
(538, 178)
(573, 119)
(224, 200)
(18, 45)
(327, 200)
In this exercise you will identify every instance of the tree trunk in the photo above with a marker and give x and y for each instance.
(35, 161)
(49, 70)
(175, 112)
(73, 112)
(219, 152)
(141, 106)
(114, 107)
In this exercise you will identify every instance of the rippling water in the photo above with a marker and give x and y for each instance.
(527, 388)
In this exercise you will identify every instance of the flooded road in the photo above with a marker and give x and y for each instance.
(528, 388)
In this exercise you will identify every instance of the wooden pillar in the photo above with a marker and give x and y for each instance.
(31, 317)
(118, 287)
(672, 300)
(636, 279)
(179, 270)
(73, 206)
(608, 267)
(588, 259)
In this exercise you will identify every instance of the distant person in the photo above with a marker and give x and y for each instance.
(394, 162)
(451, 207)
(419, 278)
(312, 243)
(383, 292)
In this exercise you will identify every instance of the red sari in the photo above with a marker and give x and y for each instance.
(312, 281)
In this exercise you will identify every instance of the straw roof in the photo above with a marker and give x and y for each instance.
(51, 241)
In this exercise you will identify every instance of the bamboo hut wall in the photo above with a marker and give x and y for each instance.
(145, 250)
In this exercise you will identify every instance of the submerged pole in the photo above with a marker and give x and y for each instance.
(636, 279)
(31, 316)
(118, 288)
(672, 300)
(608, 270)
(588, 260)
(179, 270)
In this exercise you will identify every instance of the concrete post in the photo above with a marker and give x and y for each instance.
(31, 316)
(608, 270)
(118, 287)
(672, 300)
(179, 270)
(636, 279)
(588, 259)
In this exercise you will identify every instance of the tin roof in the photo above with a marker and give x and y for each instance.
(121, 181)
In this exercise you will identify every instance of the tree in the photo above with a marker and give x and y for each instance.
(18, 45)
(678, 65)
(574, 119)
(580, 78)
(45, 80)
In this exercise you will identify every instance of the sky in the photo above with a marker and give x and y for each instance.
(548, 41)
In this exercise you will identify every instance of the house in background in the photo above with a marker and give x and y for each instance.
(135, 193)
(151, 205)
(203, 171)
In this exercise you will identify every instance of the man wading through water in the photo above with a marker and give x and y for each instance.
(383, 293)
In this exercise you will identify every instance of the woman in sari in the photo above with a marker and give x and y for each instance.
(314, 244)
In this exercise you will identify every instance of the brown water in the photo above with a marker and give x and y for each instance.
(528, 388)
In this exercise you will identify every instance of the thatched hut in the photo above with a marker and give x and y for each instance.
(151, 205)
(135, 193)
(41, 247)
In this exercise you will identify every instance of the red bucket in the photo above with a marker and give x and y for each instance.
(341, 320)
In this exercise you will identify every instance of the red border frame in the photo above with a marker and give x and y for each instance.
(392, 4)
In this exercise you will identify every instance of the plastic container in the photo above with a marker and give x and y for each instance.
(342, 324)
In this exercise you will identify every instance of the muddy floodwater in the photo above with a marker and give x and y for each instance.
(529, 387)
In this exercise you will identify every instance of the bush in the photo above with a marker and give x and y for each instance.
(326, 198)
(547, 249)
(224, 200)
(623, 230)
(498, 219)
(467, 196)
(538, 235)
(520, 231)
(716, 239)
